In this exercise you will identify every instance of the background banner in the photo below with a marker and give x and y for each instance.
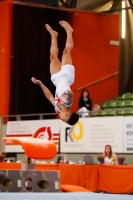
(128, 134)
(89, 135)
(92, 134)
(43, 129)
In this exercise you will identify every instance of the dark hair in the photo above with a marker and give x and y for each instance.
(110, 154)
(74, 117)
(81, 96)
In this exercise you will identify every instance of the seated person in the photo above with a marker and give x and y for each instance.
(85, 104)
(109, 156)
(85, 100)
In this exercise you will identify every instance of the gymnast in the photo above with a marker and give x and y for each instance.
(62, 76)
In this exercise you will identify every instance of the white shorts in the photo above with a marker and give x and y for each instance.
(84, 112)
(67, 73)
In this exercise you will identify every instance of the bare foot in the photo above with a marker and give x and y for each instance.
(51, 31)
(66, 26)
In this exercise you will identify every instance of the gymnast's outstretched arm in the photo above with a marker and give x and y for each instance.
(45, 90)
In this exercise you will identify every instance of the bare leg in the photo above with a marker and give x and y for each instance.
(66, 58)
(55, 65)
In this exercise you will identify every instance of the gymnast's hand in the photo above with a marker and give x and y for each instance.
(34, 80)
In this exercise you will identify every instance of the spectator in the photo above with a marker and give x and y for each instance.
(85, 104)
(109, 156)
(85, 100)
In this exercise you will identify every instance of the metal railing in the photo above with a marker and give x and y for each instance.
(97, 81)
(41, 116)
(18, 117)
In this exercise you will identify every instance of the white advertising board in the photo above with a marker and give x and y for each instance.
(43, 129)
(128, 134)
(92, 134)
(75, 139)
(106, 130)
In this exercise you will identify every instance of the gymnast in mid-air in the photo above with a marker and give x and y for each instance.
(62, 76)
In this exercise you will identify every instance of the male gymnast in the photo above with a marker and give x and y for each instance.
(62, 76)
